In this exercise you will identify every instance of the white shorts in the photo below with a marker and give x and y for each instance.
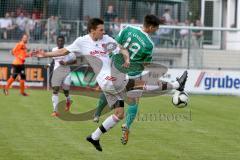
(108, 84)
(113, 98)
(113, 84)
(61, 77)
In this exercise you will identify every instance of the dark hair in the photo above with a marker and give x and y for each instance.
(93, 23)
(61, 37)
(166, 9)
(151, 20)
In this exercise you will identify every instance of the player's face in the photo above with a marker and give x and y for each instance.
(25, 38)
(98, 32)
(60, 43)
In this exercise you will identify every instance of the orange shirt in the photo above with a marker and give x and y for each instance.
(20, 53)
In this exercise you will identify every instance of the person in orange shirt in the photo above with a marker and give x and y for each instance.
(18, 68)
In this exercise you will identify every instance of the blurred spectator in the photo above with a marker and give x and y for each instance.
(58, 25)
(176, 34)
(197, 35)
(38, 30)
(175, 22)
(184, 35)
(54, 25)
(13, 32)
(110, 14)
(37, 14)
(6, 26)
(13, 18)
(30, 24)
(19, 10)
(65, 31)
(109, 17)
(197, 38)
(115, 27)
(21, 22)
(133, 20)
(166, 36)
(167, 16)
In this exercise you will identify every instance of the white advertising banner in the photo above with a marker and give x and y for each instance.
(208, 81)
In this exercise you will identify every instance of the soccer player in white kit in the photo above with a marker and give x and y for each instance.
(97, 49)
(61, 76)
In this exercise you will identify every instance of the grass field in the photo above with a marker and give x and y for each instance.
(209, 128)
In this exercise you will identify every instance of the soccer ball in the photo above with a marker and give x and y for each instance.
(180, 99)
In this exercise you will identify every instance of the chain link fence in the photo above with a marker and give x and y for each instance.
(178, 44)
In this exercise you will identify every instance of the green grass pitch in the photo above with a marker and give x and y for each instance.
(209, 128)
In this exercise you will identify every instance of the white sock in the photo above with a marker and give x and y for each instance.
(109, 123)
(148, 87)
(161, 86)
(96, 134)
(175, 85)
(55, 102)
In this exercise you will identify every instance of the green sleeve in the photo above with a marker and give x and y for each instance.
(148, 54)
(120, 37)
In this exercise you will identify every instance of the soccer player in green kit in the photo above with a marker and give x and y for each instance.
(140, 47)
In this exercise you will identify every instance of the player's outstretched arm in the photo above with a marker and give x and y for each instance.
(43, 54)
(68, 62)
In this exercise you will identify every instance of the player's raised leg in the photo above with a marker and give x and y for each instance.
(131, 113)
(109, 123)
(160, 85)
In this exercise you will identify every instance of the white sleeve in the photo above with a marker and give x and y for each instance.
(70, 57)
(76, 46)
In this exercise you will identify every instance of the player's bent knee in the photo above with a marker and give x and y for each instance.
(66, 92)
(14, 76)
(119, 113)
(130, 84)
(119, 103)
(55, 89)
(119, 109)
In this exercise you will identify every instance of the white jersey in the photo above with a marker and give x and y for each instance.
(99, 59)
(67, 58)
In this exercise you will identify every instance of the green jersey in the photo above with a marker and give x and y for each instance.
(138, 43)
(139, 46)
